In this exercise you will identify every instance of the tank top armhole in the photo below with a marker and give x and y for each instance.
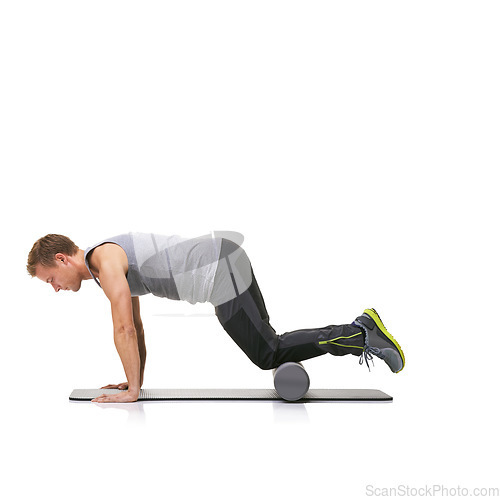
(87, 254)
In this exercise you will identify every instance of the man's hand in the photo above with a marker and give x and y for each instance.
(122, 397)
(123, 386)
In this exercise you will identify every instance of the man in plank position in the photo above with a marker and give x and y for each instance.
(211, 268)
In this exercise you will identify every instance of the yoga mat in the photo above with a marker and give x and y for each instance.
(237, 394)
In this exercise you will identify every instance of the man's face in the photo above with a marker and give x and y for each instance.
(62, 275)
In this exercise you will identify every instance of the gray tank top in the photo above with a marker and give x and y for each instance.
(168, 266)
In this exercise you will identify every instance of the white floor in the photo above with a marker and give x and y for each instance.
(425, 438)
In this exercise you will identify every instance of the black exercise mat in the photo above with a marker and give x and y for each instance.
(237, 394)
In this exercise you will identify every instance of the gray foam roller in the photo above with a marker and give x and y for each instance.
(291, 381)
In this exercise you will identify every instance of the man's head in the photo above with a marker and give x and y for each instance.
(56, 260)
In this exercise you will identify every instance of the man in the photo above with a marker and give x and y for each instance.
(210, 268)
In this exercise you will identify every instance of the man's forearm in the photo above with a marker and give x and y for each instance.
(127, 347)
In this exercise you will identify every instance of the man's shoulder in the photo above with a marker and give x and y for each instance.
(107, 253)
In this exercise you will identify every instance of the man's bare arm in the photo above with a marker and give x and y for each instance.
(111, 262)
(141, 344)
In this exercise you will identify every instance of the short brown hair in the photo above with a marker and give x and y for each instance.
(45, 249)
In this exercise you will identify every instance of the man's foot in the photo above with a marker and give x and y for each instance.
(379, 341)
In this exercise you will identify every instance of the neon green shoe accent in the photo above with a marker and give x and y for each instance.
(374, 315)
(341, 345)
(332, 341)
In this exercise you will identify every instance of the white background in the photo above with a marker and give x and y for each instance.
(354, 144)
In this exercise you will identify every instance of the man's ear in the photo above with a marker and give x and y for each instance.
(61, 258)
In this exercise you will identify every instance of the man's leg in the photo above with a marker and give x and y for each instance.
(245, 319)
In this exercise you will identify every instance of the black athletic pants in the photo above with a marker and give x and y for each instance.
(245, 319)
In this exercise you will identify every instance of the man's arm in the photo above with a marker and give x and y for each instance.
(140, 344)
(111, 262)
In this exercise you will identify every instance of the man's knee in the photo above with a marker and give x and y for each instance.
(265, 361)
